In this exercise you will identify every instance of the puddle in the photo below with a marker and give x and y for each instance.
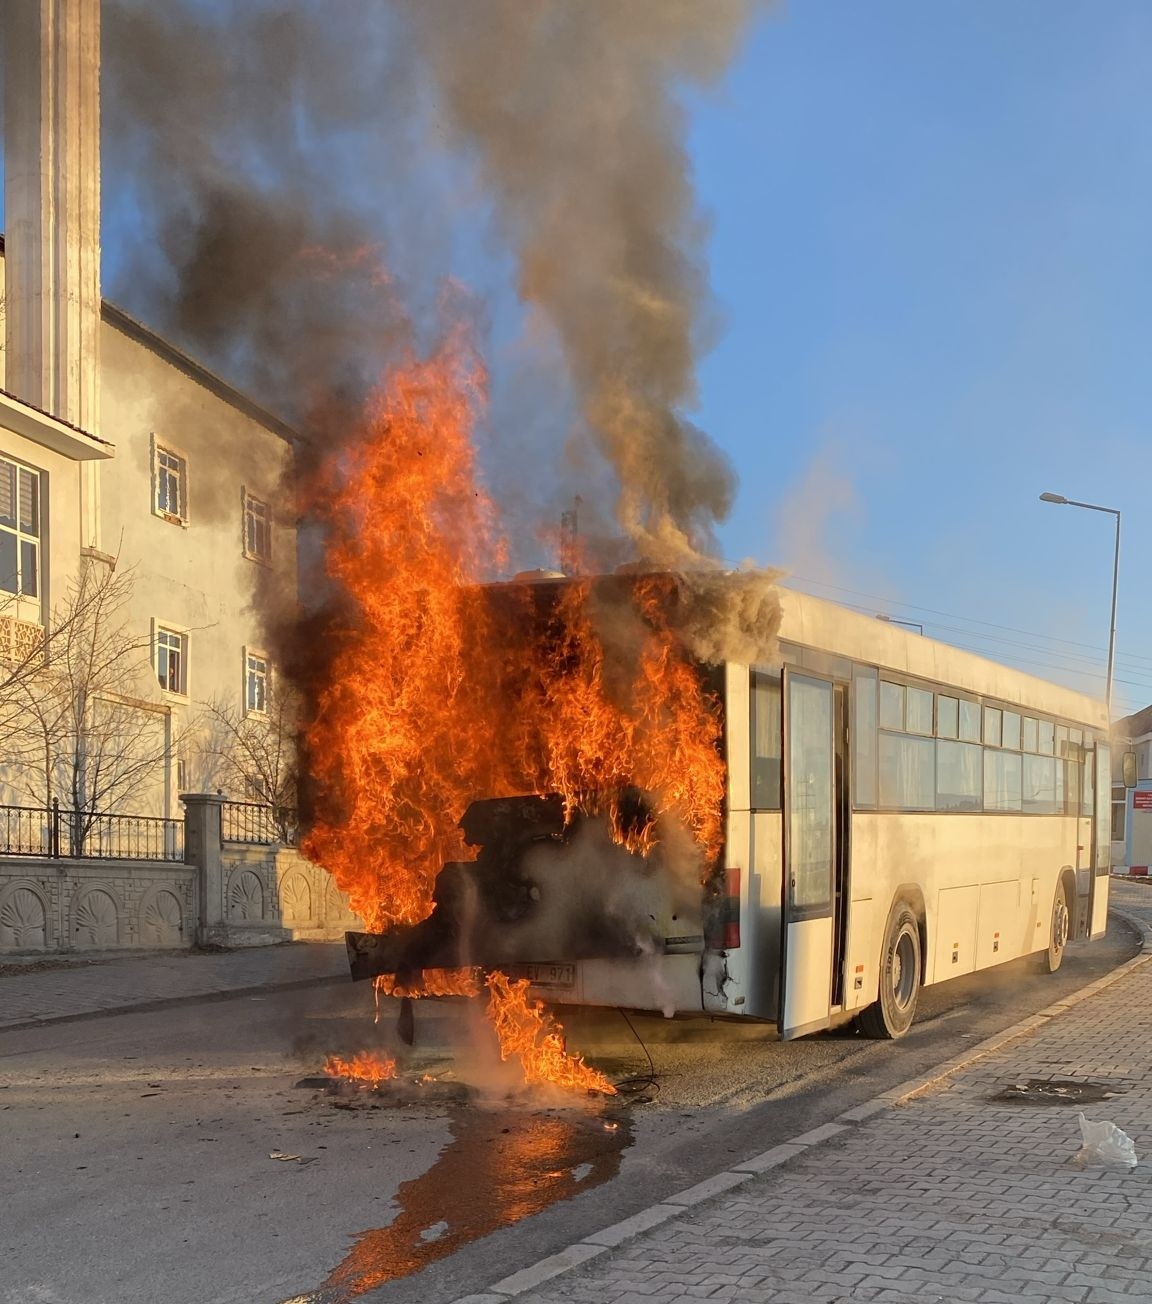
(497, 1168)
(1055, 1091)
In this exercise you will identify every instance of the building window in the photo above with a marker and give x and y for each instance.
(19, 530)
(170, 485)
(1119, 814)
(255, 684)
(257, 529)
(172, 660)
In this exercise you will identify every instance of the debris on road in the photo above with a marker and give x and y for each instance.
(1105, 1143)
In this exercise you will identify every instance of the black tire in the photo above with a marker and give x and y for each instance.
(900, 968)
(1059, 932)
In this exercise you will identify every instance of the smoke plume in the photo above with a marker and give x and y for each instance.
(274, 155)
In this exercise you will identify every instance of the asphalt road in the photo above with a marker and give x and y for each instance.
(136, 1149)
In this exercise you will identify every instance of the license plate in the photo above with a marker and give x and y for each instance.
(546, 975)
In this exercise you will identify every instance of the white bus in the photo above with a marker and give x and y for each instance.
(899, 812)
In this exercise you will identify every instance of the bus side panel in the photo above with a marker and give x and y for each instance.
(946, 852)
(866, 916)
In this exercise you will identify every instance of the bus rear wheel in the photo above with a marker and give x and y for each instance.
(1052, 959)
(891, 1016)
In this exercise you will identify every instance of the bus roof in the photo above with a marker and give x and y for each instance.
(817, 623)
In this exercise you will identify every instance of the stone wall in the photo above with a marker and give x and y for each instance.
(225, 894)
(95, 905)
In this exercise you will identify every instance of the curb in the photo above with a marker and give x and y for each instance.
(170, 1002)
(608, 1238)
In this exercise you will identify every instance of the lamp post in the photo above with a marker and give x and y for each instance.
(1092, 507)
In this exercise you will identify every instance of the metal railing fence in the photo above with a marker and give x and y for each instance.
(55, 832)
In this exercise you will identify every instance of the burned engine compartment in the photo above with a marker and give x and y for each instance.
(544, 887)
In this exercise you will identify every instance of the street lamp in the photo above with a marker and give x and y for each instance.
(1061, 501)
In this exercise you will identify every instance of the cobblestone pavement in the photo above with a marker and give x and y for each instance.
(127, 982)
(948, 1196)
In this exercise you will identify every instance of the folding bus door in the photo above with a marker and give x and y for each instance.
(814, 775)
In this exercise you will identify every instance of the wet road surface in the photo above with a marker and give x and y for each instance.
(141, 1145)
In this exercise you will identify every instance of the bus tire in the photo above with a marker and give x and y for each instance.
(900, 964)
(1058, 934)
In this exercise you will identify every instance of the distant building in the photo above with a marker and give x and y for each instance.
(1132, 807)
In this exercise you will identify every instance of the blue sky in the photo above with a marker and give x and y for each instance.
(931, 244)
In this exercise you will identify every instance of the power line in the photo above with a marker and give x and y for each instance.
(951, 615)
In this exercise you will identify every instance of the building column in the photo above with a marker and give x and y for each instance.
(52, 202)
(203, 847)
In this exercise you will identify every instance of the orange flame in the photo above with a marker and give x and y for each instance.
(441, 691)
(363, 1067)
(434, 982)
(526, 1030)
(434, 699)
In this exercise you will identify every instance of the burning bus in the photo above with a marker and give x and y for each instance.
(711, 794)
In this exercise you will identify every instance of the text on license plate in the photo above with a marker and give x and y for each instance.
(546, 975)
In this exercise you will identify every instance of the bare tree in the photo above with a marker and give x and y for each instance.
(82, 730)
(253, 753)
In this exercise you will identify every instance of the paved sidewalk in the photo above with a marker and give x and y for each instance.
(946, 1196)
(128, 982)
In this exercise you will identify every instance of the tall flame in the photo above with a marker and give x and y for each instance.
(440, 691)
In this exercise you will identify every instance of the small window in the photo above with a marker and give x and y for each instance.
(182, 775)
(1010, 733)
(969, 721)
(1119, 814)
(959, 776)
(993, 726)
(1002, 780)
(907, 772)
(1061, 740)
(255, 684)
(171, 660)
(19, 529)
(891, 705)
(170, 485)
(919, 708)
(1075, 740)
(947, 716)
(257, 529)
(1047, 738)
(864, 724)
(1030, 734)
(1088, 780)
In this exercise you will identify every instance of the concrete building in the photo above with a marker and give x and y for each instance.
(1132, 807)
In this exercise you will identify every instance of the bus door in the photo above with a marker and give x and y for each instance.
(815, 852)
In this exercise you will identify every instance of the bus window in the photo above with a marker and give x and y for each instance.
(767, 735)
(1011, 732)
(1030, 727)
(1047, 738)
(947, 716)
(969, 722)
(891, 705)
(1002, 780)
(992, 728)
(959, 776)
(907, 772)
(1040, 785)
(919, 709)
(1088, 787)
(1061, 740)
(864, 721)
